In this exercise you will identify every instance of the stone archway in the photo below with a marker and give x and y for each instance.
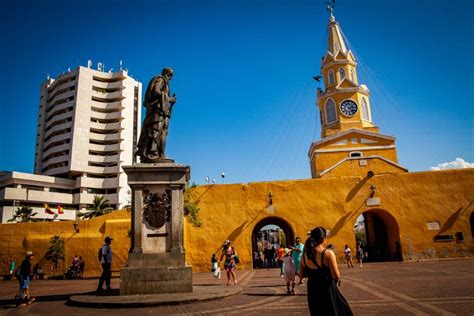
(383, 236)
(276, 227)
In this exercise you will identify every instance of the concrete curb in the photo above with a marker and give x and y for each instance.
(200, 293)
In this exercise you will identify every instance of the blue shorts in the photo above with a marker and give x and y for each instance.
(26, 284)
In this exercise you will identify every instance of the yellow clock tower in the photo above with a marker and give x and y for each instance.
(350, 142)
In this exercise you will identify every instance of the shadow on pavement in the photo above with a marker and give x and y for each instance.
(273, 294)
(10, 303)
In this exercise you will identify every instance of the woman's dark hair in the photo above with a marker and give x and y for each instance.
(316, 238)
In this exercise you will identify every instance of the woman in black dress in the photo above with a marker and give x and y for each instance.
(319, 265)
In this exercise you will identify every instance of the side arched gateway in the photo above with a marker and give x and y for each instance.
(382, 236)
(268, 235)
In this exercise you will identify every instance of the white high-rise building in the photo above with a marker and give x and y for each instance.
(88, 126)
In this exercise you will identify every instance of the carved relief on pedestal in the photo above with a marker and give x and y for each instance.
(156, 208)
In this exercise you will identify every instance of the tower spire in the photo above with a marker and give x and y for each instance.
(335, 40)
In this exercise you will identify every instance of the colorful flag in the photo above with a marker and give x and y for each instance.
(47, 210)
(60, 209)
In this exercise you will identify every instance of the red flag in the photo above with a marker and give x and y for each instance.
(47, 210)
(60, 209)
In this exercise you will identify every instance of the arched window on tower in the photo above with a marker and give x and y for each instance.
(365, 110)
(330, 109)
(331, 77)
(342, 73)
(352, 75)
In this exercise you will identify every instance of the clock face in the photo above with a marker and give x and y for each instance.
(348, 108)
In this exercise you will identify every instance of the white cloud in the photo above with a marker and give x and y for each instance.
(458, 163)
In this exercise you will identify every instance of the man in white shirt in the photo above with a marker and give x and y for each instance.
(106, 262)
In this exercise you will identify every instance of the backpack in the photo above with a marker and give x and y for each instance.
(100, 254)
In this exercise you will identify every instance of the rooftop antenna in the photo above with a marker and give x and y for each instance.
(120, 65)
(89, 63)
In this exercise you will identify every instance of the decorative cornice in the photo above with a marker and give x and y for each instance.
(342, 134)
(362, 158)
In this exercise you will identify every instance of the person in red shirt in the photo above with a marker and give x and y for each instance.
(280, 255)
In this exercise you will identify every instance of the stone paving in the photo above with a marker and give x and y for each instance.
(432, 287)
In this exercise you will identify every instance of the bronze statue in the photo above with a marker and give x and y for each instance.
(159, 105)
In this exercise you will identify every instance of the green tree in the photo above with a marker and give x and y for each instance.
(55, 253)
(191, 209)
(360, 236)
(23, 214)
(100, 206)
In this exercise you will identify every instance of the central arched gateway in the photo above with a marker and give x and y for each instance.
(270, 232)
(382, 236)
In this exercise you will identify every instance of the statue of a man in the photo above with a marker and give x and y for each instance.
(159, 105)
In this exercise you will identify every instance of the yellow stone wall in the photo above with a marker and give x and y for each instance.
(18, 238)
(413, 199)
(232, 211)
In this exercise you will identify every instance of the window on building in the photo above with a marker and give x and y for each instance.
(331, 77)
(365, 110)
(459, 236)
(331, 115)
(355, 154)
(342, 73)
(352, 75)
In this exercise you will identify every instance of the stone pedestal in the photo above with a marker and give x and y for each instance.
(156, 262)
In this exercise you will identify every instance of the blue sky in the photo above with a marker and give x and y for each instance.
(243, 69)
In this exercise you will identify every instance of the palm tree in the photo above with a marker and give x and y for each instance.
(55, 252)
(100, 206)
(23, 214)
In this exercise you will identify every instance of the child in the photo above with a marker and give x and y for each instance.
(214, 262)
(348, 254)
(289, 271)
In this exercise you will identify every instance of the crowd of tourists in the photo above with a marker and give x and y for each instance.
(313, 261)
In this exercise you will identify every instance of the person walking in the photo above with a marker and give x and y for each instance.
(348, 256)
(24, 278)
(359, 254)
(12, 266)
(320, 266)
(82, 266)
(214, 262)
(106, 261)
(280, 255)
(297, 253)
(230, 263)
(289, 271)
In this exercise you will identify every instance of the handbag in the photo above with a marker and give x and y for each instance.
(236, 259)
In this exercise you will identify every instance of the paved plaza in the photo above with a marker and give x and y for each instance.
(432, 287)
